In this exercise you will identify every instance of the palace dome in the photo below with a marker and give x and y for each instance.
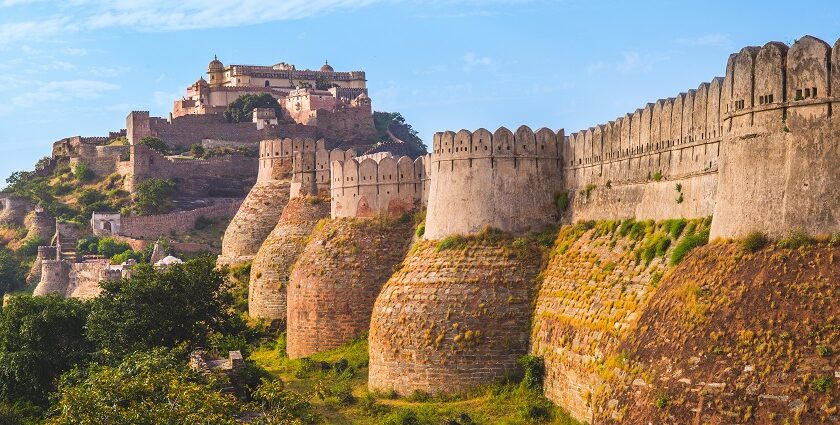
(327, 68)
(215, 65)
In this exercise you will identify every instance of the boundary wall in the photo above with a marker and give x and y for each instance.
(153, 226)
(756, 149)
(367, 187)
(503, 180)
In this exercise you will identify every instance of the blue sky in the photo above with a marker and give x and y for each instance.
(77, 67)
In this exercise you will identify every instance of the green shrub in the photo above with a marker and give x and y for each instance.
(155, 144)
(533, 368)
(83, 173)
(625, 227)
(676, 228)
(688, 243)
(109, 247)
(657, 176)
(561, 200)
(421, 230)
(822, 384)
(154, 196)
(90, 196)
(419, 396)
(795, 240)
(203, 222)
(662, 401)
(754, 241)
(29, 247)
(451, 242)
(824, 351)
(126, 255)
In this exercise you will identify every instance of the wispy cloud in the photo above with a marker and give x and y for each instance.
(471, 60)
(630, 62)
(61, 91)
(714, 40)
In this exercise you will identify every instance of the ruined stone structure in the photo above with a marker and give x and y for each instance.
(368, 187)
(13, 210)
(65, 272)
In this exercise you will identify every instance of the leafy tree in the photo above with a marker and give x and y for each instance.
(126, 255)
(323, 83)
(88, 245)
(11, 272)
(156, 144)
(197, 150)
(40, 338)
(154, 196)
(279, 406)
(109, 247)
(395, 122)
(83, 173)
(90, 196)
(146, 388)
(180, 305)
(241, 109)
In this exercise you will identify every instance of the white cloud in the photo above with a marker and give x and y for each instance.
(58, 66)
(73, 51)
(472, 60)
(58, 91)
(14, 32)
(630, 62)
(715, 40)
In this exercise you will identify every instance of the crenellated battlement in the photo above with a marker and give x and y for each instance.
(277, 155)
(378, 185)
(756, 148)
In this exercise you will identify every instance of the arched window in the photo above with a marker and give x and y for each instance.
(267, 83)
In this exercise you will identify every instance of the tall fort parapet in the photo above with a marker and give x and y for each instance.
(287, 167)
(503, 180)
(368, 187)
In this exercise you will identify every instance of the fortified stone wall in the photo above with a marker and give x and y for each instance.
(228, 176)
(188, 129)
(337, 278)
(153, 226)
(503, 180)
(386, 186)
(271, 266)
(13, 209)
(453, 318)
(102, 160)
(261, 210)
(311, 174)
(779, 164)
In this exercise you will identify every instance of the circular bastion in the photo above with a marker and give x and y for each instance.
(333, 286)
(254, 220)
(455, 316)
(272, 264)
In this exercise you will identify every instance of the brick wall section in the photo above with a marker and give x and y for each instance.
(592, 294)
(454, 319)
(186, 130)
(154, 226)
(273, 262)
(226, 176)
(254, 220)
(333, 286)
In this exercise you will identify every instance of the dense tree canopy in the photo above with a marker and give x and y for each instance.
(154, 196)
(180, 305)
(241, 109)
(40, 338)
(156, 144)
(154, 387)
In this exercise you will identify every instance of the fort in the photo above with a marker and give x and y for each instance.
(533, 242)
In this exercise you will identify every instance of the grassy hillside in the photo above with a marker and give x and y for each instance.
(335, 382)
